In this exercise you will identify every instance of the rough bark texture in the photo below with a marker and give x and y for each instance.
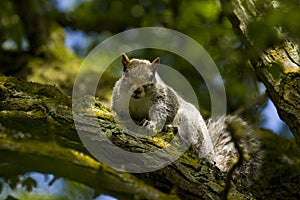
(276, 62)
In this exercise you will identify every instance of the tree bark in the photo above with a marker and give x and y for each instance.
(273, 57)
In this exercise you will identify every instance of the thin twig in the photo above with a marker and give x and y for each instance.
(236, 132)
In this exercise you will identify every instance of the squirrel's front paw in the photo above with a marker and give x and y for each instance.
(149, 125)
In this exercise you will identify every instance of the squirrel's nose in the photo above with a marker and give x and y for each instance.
(138, 93)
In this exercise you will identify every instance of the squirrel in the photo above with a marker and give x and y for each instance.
(153, 104)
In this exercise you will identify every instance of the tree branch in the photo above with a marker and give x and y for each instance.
(37, 133)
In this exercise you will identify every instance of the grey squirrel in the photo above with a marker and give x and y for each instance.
(153, 104)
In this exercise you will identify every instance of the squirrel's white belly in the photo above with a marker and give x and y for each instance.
(139, 108)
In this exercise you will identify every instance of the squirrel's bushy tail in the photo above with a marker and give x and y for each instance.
(226, 153)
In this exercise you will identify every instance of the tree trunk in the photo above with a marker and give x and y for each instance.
(35, 24)
(274, 57)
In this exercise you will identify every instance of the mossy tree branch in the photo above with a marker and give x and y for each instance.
(37, 133)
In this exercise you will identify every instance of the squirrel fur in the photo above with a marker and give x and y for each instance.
(153, 104)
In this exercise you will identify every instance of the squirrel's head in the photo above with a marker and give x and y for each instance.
(139, 71)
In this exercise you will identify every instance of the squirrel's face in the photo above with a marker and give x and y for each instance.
(137, 74)
(143, 91)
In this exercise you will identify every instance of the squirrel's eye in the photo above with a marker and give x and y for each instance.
(151, 78)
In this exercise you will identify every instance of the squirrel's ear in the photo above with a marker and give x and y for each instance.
(125, 61)
(155, 63)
